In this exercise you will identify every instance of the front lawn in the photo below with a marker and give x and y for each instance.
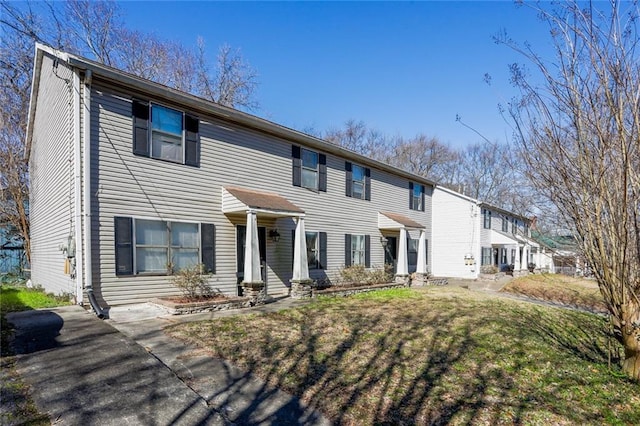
(431, 356)
(576, 292)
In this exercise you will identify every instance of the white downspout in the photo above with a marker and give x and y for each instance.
(77, 186)
(86, 169)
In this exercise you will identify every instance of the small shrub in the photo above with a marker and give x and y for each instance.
(192, 282)
(489, 269)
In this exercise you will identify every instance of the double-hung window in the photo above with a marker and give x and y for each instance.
(165, 133)
(487, 218)
(151, 246)
(505, 224)
(146, 246)
(309, 169)
(486, 256)
(514, 225)
(358, 181)
(358, 250)
(313, 250)
(416, 196)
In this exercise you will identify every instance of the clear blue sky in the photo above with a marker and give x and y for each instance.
(403, 68)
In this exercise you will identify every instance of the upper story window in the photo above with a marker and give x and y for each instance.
(358, 181)
(505, 224)
(172, 136)
(416, 196)
(309, 169)
(514, 225)
(487, 218)
(166, 133)
(158, 247)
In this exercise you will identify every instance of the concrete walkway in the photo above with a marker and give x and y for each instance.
(237, 394)
(82, 371)
(126, 370)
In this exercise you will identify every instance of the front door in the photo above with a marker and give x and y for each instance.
(241, 239)
(391, 252)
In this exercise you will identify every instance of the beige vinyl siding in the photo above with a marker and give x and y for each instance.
(51, 176)
(129, 185)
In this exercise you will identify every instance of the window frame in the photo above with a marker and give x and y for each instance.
(153, 131)
(170, 267)
(317, 264)
(505, 224)
(363, 251)
(413, 187)
(487, 254)
(354, 181)
(486, 215)
(304, 168)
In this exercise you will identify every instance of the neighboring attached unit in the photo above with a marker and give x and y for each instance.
(469, 235)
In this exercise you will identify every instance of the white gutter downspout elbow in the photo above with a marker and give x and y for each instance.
(86, 198)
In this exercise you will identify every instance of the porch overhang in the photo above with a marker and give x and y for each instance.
(236, 200)
(395, 221)
(501, 238)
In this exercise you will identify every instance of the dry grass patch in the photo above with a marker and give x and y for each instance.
(406, 357)
(576, 292)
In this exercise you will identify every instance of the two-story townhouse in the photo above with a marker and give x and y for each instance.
(505, 239)
(132, 180)
(468, 234)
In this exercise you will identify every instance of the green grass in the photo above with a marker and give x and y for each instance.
(17, 406)
(446, 356)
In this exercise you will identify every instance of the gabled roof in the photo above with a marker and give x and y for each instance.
(141, 87)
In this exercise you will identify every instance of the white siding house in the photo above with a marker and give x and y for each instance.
(134, 180)
(456, 234)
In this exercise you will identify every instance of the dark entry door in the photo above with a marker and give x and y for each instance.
(391, 252)
(241, 234)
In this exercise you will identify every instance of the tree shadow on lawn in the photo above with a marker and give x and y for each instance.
(366, 364)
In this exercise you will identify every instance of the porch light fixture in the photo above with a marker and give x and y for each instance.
(383, 241)
(274, 235)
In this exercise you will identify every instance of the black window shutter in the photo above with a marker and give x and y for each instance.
(192, 141)
(123, 245)
(322, 173)
(347, 249)
(422, 195)
(208, 246)
(367, 251)
(323, 250)
(349, 178)
(297, 165)
(367, 184)
(140, 112)
(411, 195)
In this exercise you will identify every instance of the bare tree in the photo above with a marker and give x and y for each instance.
(96, 30)
(578, 125)
(425, 156)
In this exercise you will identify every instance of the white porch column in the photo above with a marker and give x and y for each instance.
(403, 260)
(252, 250)
(300, 265)
(525, 257)
(421, 268)
(516, 264)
